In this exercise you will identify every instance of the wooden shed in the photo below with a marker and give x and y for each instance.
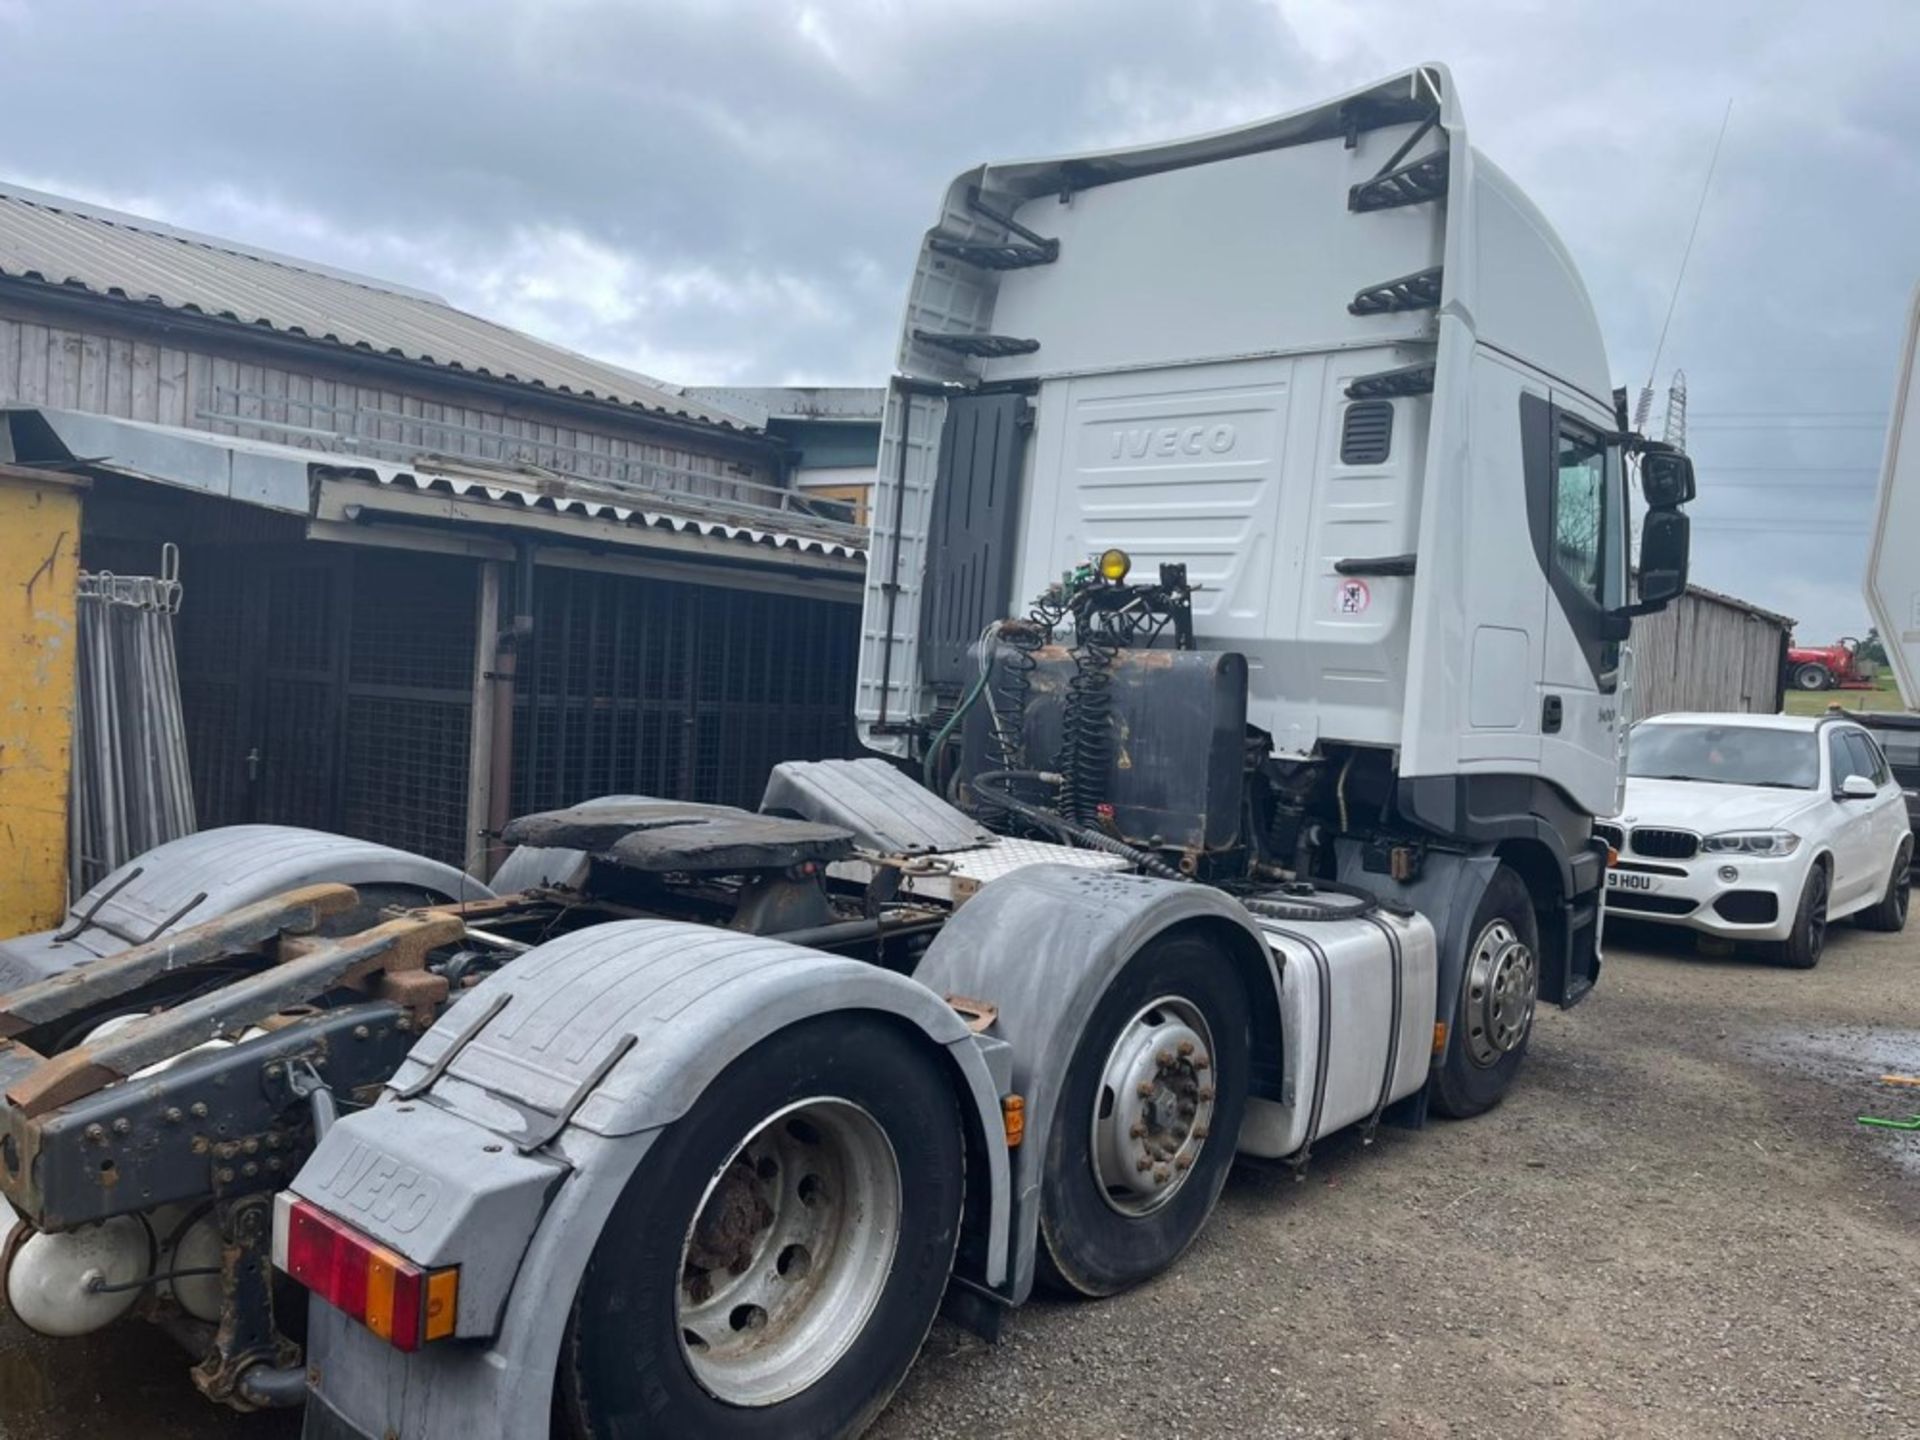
(1709, 651)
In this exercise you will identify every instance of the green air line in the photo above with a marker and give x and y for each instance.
(927, 776)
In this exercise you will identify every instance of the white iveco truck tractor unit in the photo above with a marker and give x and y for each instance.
(1243, 634)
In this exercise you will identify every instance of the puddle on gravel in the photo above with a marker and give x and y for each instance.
(1855, 1059)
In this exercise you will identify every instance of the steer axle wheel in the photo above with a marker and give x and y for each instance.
(1148, 1115)
(1499, 987)
(777, 1259)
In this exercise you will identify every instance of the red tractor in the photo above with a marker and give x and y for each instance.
(1829, 667)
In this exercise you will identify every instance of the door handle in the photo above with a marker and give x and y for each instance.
(253, 764)
(1550, 715)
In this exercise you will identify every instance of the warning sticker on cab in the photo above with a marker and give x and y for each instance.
(1351, 597)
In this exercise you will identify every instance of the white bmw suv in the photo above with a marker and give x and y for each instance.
(1759, 828)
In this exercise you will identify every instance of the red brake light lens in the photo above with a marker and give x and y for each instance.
(396, 1299)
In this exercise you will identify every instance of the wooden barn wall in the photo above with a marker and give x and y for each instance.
(238, 390)
(1704, 654)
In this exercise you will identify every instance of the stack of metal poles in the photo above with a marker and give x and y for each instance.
(132, 789)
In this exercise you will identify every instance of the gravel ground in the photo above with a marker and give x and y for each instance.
(1673, 1228)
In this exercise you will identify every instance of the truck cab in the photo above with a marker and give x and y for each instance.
(1338, 367)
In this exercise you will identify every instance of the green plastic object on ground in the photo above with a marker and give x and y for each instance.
(1912, 1122)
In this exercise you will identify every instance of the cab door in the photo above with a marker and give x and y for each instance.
(1577, 522)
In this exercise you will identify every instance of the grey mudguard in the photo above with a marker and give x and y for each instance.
(440, 1189)
(1042, 945)
(198, 877)
(694, 999)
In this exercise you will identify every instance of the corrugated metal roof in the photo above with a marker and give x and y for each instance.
(259, 472)
(849, 403)
(63, 242)
(467, 488)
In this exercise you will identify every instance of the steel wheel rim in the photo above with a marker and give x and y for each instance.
(788, 1252)
(1153, 1110)
(1503, 984)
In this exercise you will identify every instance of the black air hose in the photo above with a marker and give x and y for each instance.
(1068, 830)
(1086, 749)
(1007, 705)
(1273, 909)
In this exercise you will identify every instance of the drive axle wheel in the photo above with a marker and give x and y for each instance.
(776, 1261)
(1148, 1115)
(789, 1252)
(1499, 987)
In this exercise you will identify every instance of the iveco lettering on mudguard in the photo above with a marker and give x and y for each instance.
(386, 1190)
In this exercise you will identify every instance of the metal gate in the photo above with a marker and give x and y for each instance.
(331, 688)
(686, 691)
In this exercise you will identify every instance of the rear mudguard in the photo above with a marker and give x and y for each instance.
(677, 1004)
(1042, 945)
(198, 877)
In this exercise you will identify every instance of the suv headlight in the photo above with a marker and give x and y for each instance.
(1751, 842)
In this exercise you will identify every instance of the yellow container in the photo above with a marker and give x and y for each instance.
(39, 567)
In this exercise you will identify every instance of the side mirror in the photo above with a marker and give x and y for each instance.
(1666, 478)
(1665, 539)
(1858, 787)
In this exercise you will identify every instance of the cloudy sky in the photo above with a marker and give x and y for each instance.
(731, 191)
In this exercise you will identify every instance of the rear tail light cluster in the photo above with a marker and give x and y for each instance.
(401, 1303)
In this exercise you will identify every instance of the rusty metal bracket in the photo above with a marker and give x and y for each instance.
(297, 912)
(395, 949)
(248, 1334)
(979, 1015)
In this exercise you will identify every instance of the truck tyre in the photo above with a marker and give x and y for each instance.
(1493, 1017)
(775, 1263)
(1143, 1138)
(1812, 676)
(1889, 913)
(1802, 948)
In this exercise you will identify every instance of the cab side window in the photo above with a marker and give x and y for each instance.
(1580, 510)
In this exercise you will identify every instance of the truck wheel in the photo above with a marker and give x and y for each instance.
(1812, 676)
(1150, 1110)
(1890, 912)
(1804, 943)
(1499, 985)
(777, 1260)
